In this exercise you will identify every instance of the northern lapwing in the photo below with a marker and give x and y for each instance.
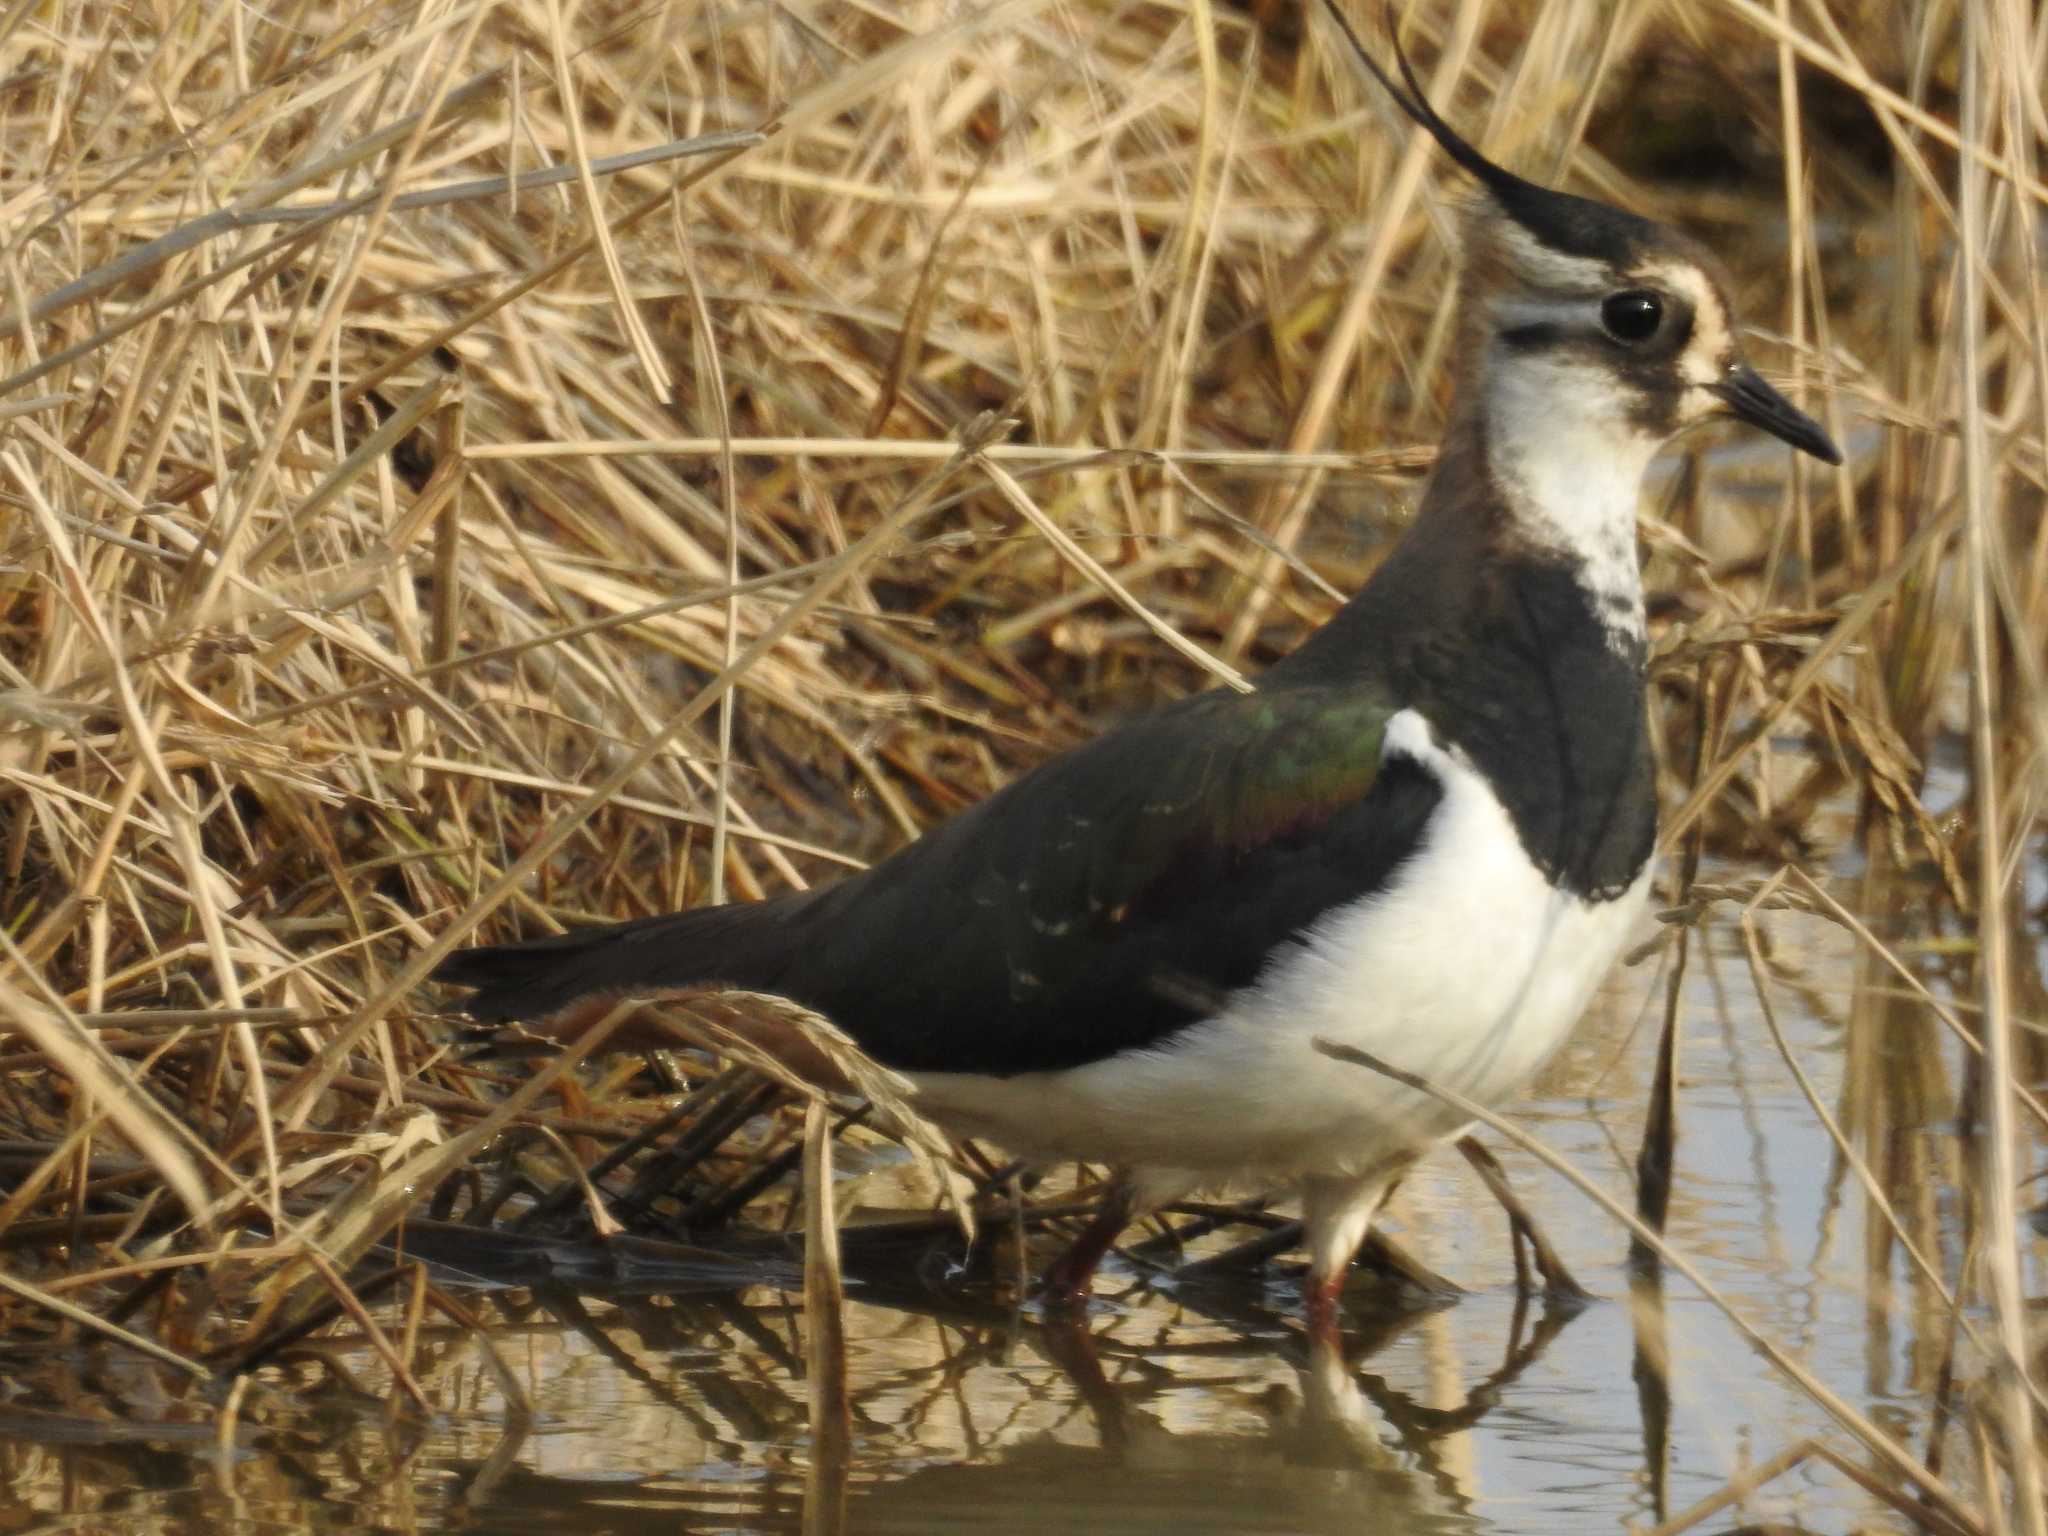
(1427, 833)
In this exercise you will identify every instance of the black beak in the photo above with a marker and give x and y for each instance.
(1754, 401)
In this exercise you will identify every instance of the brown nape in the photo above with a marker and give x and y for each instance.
(1483, 270)
(1487, 269)
(687, 1018)
(1439, 568)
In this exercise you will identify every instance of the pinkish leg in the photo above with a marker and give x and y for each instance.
(1321, 1294)
(1067, 1280)
(1069, 1345)
(1336, 1213)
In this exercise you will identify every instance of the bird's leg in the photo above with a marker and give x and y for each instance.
(1069, 1277)
(1336, 1213)
(1069, 1345)
(1559, 1285)
(1321, 1298)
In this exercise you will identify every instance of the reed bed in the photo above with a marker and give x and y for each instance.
(401, 548)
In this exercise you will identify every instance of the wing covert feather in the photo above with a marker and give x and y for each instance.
(1098, 904)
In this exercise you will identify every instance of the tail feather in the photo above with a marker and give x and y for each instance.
(539, 978)
(518, 981)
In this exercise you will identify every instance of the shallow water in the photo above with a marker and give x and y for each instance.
(1183, 1407)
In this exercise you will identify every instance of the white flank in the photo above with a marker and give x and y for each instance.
(1468, 969)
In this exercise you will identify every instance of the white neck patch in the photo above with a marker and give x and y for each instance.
(1569, 465)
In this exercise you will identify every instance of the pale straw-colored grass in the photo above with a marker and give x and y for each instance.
(869, 402)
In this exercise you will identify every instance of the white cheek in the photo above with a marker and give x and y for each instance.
(1709, 353)
(1711, 346)
(1701, 365)
(1569, 464)
(1697, 404)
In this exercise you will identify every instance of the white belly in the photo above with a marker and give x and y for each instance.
(1468, 970)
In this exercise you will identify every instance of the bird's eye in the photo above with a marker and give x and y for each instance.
(1632, 316)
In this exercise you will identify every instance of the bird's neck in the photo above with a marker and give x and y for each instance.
(1511, 618)
(1563, 467)
(1521, 558)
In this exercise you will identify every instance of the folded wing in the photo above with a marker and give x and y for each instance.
(1098, 904)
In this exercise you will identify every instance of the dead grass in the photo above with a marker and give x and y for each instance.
(380, 570)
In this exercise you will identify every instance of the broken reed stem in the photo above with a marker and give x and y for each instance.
(1998, 1179)
(1558, 1281)
(830, 1398)
(518, 1401)
(728, 503)
(36, 1296)
(1656, 1157)
(250, 213)
(1748, 1482)
(1869, 602)
(1092, 568)
(352, 1306)
(1071, 455)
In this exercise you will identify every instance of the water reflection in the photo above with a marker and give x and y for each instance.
(1307, 1450)
(1205, 1411)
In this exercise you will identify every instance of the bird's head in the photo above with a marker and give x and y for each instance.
(1591, 321)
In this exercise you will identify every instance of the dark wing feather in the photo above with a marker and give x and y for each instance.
(1098, 904)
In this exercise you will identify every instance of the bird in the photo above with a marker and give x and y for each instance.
(1426, 833)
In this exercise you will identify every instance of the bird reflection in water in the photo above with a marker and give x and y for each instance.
(1190, 1428)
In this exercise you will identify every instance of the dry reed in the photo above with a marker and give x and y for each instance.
(397, 550)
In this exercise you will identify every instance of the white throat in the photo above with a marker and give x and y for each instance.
(1570, 465)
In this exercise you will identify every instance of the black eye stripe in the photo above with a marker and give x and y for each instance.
(1562, 324)
(1537, 333)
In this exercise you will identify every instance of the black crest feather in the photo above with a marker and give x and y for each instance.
(1572, 226)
